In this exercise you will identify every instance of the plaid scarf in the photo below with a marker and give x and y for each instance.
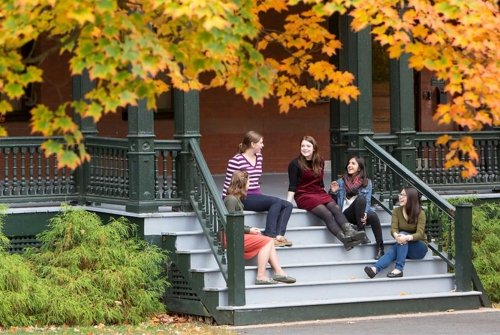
(352, 185)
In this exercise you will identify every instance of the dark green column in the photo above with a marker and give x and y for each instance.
(187, 126)
(235, 260)
(350, 123)
(141, 160)
(80, 86)
(403, 111)
(463, 247)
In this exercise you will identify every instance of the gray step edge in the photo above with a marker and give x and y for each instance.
(351, 300)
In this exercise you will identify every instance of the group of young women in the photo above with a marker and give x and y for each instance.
(345, 208)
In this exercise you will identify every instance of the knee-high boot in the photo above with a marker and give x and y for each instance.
(354, 234)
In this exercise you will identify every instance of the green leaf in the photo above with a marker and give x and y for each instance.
(14, 90)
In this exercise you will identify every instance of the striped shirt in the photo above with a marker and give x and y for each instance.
(239, 162)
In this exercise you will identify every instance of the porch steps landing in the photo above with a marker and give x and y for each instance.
(331, 282)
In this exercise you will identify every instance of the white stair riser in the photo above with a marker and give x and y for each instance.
(319, 235)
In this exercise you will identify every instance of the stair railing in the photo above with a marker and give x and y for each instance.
(443, 219)
(224, 231)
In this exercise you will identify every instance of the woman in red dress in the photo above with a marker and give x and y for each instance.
(254, 243)
(306, 186)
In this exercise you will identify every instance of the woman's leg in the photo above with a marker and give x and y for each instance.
(386, 259)
(284, 216)
(417, 249)
(326, 215)
(356, 212)
(262, 258)
(412, 250)
(401, 253)
(373, 221)
(274, 262)
(262, 203)
(333, 226)
(344, 224)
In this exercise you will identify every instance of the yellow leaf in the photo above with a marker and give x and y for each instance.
(442, 140)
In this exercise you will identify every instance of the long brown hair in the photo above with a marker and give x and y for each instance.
(250, 137)
(238, 185)
(413, 205)
(363, 176)
(315, 159)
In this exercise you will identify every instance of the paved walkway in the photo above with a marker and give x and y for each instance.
(485, 321)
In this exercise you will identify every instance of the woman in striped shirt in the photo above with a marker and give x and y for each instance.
(249, 159)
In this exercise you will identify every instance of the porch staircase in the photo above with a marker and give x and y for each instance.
(331, 282)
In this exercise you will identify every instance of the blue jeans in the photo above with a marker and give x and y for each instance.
(400, 252)
(278, 212)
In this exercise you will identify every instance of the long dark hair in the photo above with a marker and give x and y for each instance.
(363, 176)
(250, 137)
(238, 184)
(413, 205)
(315, 159)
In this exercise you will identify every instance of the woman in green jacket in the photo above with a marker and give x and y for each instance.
(254, 243)
(408, 229)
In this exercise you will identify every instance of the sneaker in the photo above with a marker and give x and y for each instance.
(287, 242)
(278, 243)
(284, 279)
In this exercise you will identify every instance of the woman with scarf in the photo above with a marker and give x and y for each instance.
(305, 174)
(353, 193)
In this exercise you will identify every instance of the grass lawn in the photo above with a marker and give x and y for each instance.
(164, 324)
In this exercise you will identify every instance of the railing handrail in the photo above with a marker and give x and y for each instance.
(198, 156)
(406, 174)
(216, 198)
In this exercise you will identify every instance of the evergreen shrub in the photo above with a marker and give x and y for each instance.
(485, 241)
(85, 273)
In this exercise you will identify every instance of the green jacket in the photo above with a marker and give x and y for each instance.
(235, 206)
(399, 223)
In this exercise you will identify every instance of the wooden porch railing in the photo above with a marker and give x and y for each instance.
(27, 176)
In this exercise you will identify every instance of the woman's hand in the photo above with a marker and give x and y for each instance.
(334, 186)
(255, 231)
(363, 219)
(404, 238)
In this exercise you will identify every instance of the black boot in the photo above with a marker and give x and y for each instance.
(354, 234)
(348, 242)
(380, 251)
(366, 240)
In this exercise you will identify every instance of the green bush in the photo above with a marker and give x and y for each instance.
(85, 273)
(485, 242)
(485, 251)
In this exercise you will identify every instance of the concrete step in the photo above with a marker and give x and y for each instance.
(313, 272)
(300, 236)
(296, 255)
(399, 299)
(343, 289)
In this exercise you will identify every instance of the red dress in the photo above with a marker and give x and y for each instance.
(310, 190)
(253, 243)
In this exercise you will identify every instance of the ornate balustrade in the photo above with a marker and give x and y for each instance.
(27, 176)
(430, 165)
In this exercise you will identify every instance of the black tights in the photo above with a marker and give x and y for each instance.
(331, 215)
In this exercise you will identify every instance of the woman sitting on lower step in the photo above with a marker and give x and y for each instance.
(408, 229)
(254, 243)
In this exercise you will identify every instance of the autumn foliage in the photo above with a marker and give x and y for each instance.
(199, 44)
